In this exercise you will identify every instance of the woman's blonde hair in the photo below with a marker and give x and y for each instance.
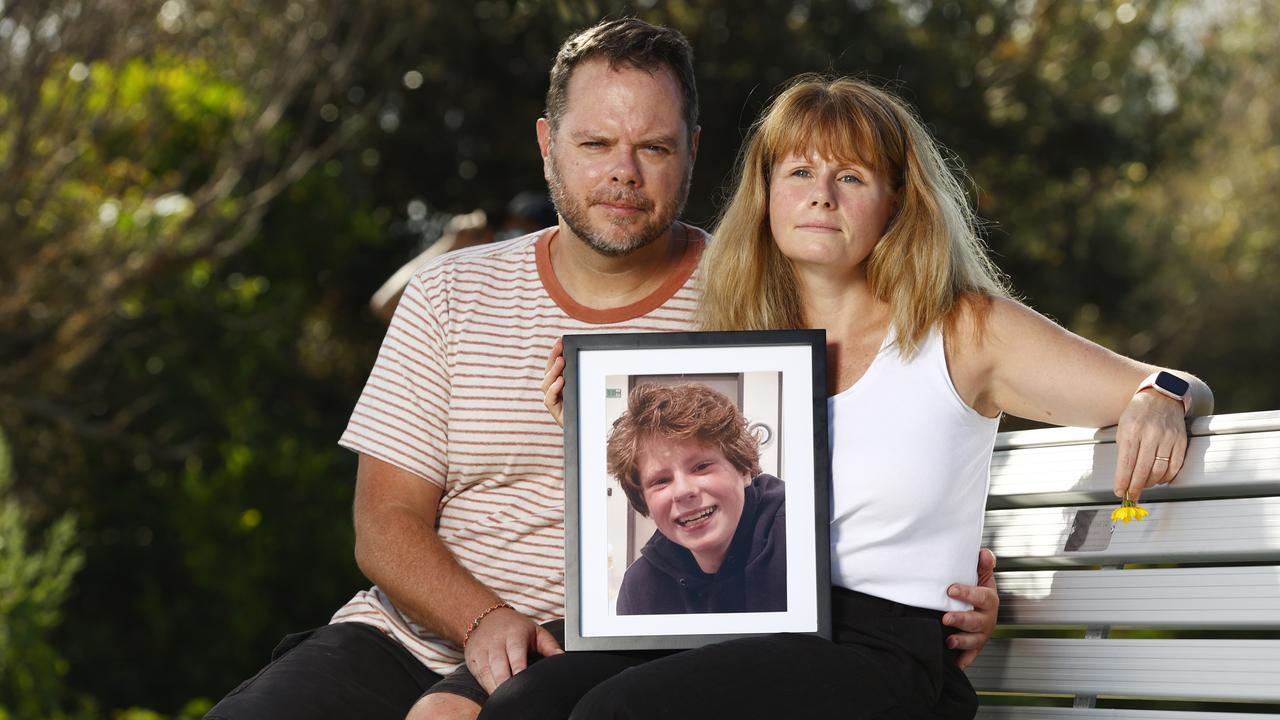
(930, 257)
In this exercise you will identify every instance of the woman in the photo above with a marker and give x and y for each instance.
(847, 218)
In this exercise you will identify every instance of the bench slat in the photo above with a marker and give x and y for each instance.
(1045, 713)
(1237, 530)
(1210, 598)
(1215, 466)
(1233, 670)
(1225, 424)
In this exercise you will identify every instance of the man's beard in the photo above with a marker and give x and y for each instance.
(574, 212)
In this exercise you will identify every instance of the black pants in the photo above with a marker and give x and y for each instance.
(344, 670)
(887, 661)
(549, 687)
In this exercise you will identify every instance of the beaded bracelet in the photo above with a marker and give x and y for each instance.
(476, 623)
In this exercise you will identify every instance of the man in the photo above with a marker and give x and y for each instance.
(459, 494)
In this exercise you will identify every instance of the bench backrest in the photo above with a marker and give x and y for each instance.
(1177, 616)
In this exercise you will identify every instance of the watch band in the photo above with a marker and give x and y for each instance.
(1169, 385)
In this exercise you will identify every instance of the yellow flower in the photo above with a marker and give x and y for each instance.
(1128, 510)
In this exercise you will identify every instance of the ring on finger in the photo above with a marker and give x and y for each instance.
(1163, 458)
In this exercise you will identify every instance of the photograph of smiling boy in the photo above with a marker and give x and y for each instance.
(686, 457)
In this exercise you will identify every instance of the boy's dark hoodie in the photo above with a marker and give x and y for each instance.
(666, 579)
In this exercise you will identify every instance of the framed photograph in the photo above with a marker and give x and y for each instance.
(697, 501)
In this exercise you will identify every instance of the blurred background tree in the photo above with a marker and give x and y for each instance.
(33, 585)
(197, 199)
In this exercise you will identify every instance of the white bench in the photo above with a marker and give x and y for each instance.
(1177, 616)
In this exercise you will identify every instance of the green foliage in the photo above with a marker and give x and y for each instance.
(1211, 230)
(125, 198)
(34, 582)
(244, 475)
(171, 379)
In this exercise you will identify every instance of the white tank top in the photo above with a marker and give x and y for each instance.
(909, 471)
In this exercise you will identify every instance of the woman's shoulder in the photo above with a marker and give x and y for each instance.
(976, 337)
(979, 321)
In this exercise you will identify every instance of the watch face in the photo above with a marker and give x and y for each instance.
(1172, 383)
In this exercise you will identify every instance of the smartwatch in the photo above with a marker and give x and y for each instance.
(1169, 385)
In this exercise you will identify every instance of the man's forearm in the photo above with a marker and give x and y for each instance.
(406, 558)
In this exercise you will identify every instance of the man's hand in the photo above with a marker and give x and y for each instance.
(499, 647)
(975, 625)
(443, 706)
(553, 382)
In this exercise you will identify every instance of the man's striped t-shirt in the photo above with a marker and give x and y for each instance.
(455, 398)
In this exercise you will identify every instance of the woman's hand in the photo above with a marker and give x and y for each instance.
(1151, 442)
(976, 625)
(553, 382)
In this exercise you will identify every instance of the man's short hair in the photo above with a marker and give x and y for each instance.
(625, 43)
(677, 412)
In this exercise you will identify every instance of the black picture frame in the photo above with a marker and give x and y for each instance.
(594, 366)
